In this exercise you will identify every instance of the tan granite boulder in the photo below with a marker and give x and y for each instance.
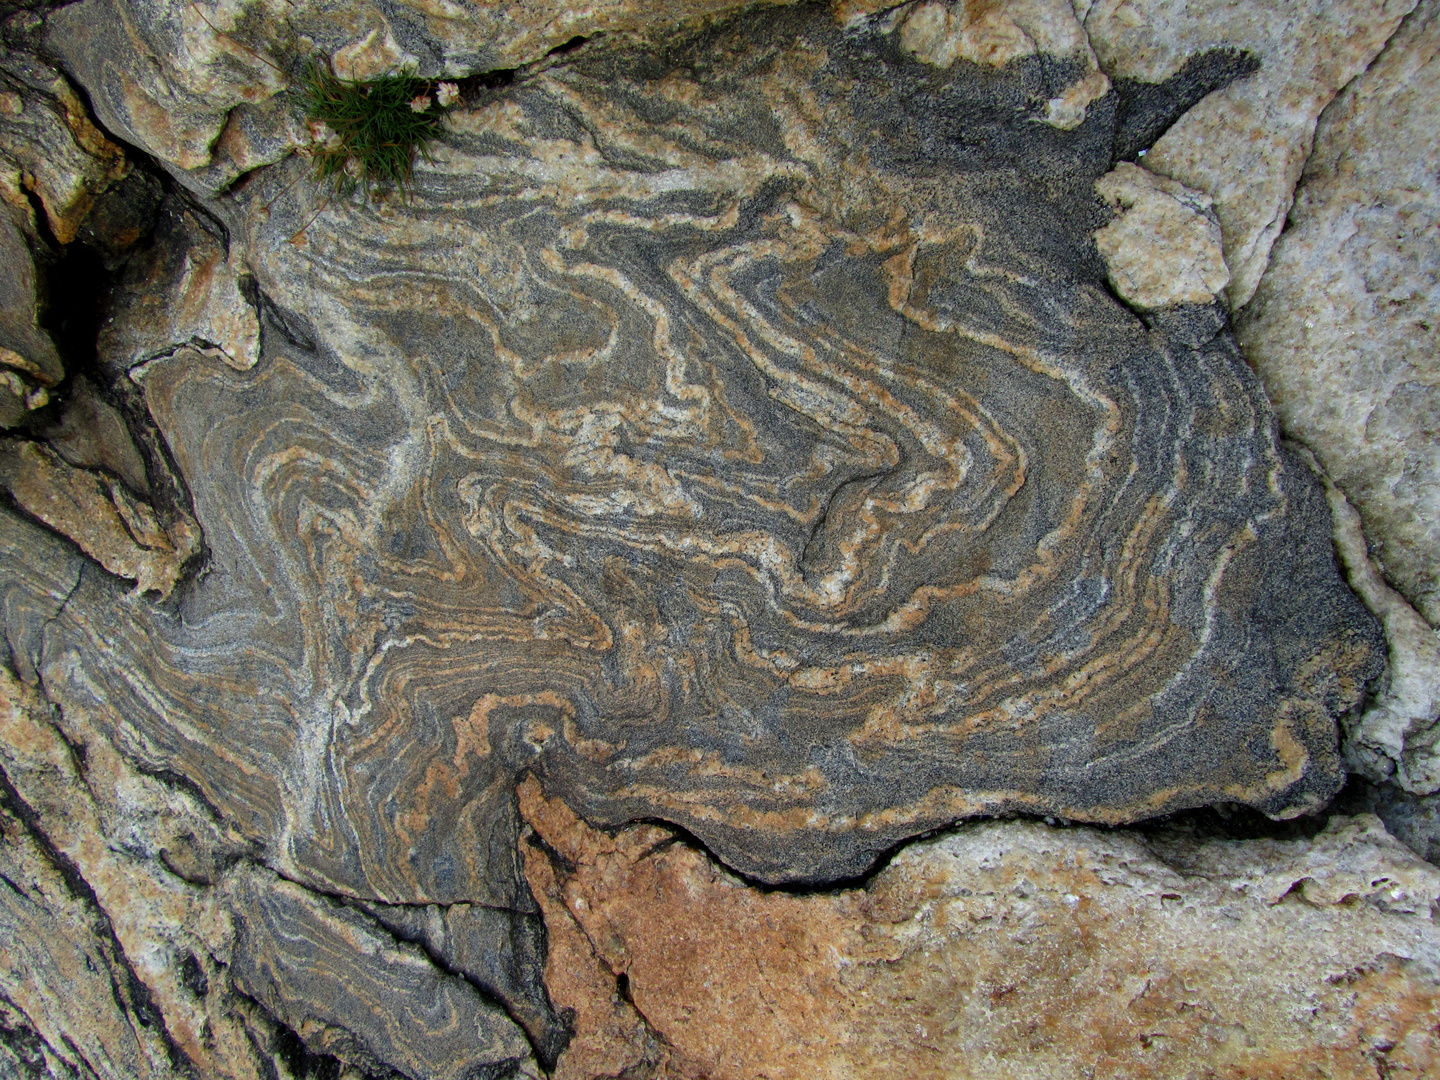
(1005, 949)
(1163, 246)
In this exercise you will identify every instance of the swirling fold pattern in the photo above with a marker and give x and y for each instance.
(739, 434)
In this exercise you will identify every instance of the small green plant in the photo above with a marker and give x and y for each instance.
(367, 134)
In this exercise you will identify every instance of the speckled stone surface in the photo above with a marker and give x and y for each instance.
(1246, 143)
(1343, 330)
(1001, 950)
(199, 84)
(1162, 249)
(657, 445)
(742, 436)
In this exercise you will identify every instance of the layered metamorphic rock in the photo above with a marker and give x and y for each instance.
(741, 434)
(434, 622)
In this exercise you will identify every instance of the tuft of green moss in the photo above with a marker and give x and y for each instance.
(372, 131)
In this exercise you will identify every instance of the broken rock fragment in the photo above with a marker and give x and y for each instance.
(1163, 247)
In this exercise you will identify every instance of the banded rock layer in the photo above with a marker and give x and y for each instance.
(740, 434)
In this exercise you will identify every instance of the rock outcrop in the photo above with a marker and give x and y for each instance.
(806, 505)
(1343, 333)
(1172, 957)
(198, 84)
(760, 442)
(1246, 143)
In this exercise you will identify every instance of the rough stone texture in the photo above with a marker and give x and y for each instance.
(119, 531)
(90, 843)
(186, 290)
(805, 505)
(1244, 145)
(501, 951)
(24, 348)
(999, 950)
(1412, 819)
(194, 83)
(734, 427)
(49, 146)
(1397, 733)
(1343, 328)
(394, 1010)
(1163, 248)
(90, 433)
(141, 940)
(29, 364)
(996, 34)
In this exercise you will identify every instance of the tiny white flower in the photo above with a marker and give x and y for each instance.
(448, 94)
(324, 134)
(420, 103)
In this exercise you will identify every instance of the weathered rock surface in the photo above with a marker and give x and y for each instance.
(91, 433)
(29, 364)
(119, 531)
(185, 291)
(25, 349)
(999, 950)
(940, 33)
(1343, 328)
(1395, 736)
(724, 480)
(1246, 144)
(1163, 247)
(195, 84)
(799, 430)
(352, 991)
(49, 146)
(141, 940)
(1412, 819)
(745, 487)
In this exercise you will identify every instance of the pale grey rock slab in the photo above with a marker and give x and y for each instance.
(1343, 327)
(1395, 736)
(1353, 859)
(1244, 145)
(158, 75)
(1412, 819)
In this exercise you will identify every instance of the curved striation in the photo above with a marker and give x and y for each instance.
(740, 435)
